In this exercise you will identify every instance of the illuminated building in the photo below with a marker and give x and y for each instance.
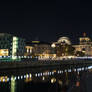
(60, 44)
(43, 49)
(12, 46)
(64, 40)
(85, 45)
(86, 49)
(28, 49)
(85, 40)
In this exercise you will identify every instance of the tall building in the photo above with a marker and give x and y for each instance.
(12, 46)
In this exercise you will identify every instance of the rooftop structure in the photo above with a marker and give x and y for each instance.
(64, 40)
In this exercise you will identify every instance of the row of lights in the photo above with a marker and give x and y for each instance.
(70, 70)
(44, 74)
(17, 57)
(7, 79)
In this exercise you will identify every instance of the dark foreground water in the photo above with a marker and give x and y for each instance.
(45, 80)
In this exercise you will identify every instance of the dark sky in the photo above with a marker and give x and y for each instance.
(46, 20)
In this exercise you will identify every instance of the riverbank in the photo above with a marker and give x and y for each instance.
(33, 64)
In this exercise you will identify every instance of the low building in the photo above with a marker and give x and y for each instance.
(28, 49)
(86, 49)
(43, 49)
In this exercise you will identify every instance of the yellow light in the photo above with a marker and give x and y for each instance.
(35, 41)
(53, 45)
(4, 52)
(60, 82)
(54, 71)
(14, 47)
(43, 78)
(13, 84)
(53, 80)
(28, 79)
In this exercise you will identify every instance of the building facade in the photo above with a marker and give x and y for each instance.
(12, 46)
(85, 46)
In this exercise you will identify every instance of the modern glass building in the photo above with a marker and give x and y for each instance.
(11, 46)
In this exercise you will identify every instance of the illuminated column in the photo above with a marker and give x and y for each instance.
(14, 47)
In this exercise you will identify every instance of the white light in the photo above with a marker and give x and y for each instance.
(18, 77)
(15, 78)
(69, 70)
(52, 73)
(24, 76)
(82, 68)
(41, 74)
(60, 71)
(3, 80)
(48, 73)
(36, 74)
(75, 70)
(79, 69)
(65, 70)
(11, 78)
(7, 79)
(24, 56)
(21, 77)
(90, 67)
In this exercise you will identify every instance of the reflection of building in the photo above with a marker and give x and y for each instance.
(11, 45)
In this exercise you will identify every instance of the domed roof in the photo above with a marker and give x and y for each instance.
(64, 40)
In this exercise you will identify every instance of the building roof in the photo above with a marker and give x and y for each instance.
(37, 42)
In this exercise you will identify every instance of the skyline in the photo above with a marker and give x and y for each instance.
(45, 20)
(42, 41)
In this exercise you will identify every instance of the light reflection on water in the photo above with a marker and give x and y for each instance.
(38, 74)
(52, 76)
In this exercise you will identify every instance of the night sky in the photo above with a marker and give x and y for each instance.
(46, 20)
